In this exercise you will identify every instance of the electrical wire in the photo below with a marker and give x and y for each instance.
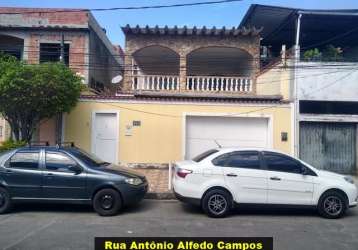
(233, 114)
(181, 116)
(126, 8)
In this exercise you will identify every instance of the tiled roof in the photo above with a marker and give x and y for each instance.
(184, 31)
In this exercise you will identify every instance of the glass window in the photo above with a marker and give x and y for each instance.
(58, 162)
(282, 163)
(220, 160)
(249, 159)
(24, 160)
(202, 156)
(51, 52)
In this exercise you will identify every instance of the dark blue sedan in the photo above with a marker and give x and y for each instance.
(67, 175)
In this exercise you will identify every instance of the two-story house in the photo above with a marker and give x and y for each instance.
(185, 90)
(37, 35)
(323, 79)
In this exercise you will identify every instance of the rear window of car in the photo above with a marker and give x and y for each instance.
(24, 160)
(202, 156)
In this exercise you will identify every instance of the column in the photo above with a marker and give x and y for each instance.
(128, 71)
(182, 72)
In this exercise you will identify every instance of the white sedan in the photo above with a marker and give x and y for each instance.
(219, 179)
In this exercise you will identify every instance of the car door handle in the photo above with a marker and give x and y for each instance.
(49, 175)
(231, 175)
(275, 178)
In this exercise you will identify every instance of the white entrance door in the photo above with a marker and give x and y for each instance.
(105, 131)
(202, 131)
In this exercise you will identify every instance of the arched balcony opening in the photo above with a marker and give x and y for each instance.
(220, 69)
(155, 68)
(12, 45)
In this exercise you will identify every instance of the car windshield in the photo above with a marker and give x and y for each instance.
(89, 158)
(202, 156)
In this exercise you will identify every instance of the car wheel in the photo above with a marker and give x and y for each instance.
(5, 201)
(217, 203)
(107, 202)
(332, 205)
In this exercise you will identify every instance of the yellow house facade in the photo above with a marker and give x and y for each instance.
(162, 135)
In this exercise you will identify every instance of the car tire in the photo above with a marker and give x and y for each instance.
(332, 205)
(107, 202)
(5, 201)
(217, 203)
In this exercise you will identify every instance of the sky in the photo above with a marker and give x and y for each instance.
(228, 14)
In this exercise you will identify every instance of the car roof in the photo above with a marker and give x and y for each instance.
(52, 148)
(229, 149)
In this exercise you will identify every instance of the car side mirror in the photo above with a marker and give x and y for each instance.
(304, 170)
(74, 168)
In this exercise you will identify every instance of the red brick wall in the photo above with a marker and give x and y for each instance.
(54, 16)
(77, 47)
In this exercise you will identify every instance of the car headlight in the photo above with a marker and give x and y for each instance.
(349, 179)
(134, 181)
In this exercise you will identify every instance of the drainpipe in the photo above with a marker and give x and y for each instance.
(295, 87)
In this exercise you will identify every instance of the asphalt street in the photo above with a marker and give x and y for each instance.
(74, 227)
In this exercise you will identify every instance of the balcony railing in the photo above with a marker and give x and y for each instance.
(218, 84)
(193, 83)
(155, 82)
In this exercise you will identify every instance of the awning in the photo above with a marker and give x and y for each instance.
(337, 27)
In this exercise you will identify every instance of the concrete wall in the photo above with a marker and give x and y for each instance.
(54, 17)
(103, 66)
(5, 130)
(334, 81)
(275, 81)
(160, 139)
(2, 126)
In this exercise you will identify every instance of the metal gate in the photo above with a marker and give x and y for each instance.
(329, 146)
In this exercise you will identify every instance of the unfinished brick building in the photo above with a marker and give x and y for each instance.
(36, 35)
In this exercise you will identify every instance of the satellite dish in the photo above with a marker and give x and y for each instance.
(117, 79)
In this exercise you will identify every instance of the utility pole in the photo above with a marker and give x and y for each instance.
(62, 55)
(59, 118)
(295, 82)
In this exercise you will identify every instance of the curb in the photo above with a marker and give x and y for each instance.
(160, 196)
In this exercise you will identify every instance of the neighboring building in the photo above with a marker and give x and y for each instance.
(36, 35)
(184, 91)
(323, 80)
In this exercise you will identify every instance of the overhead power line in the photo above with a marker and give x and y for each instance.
(128, 7)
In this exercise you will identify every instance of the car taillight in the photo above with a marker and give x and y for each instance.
(183, 172)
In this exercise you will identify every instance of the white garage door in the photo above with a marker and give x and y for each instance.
(202, 131)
